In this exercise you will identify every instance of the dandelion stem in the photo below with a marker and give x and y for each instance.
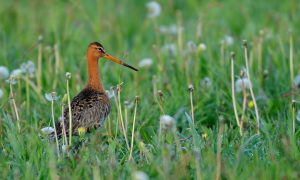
(293, 117)
(250, 86)
(27, 94)
(133, 126)
(63, 125)
(233, 92)
(14, 105)
(70, 113)
(121, 116)
(191, 89)
(39, 66)
(55, 132)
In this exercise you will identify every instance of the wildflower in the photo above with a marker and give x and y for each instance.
(4, 73)
(111, 93)
(298, 116)
(11, 80)
(1, 93)
(228, 40)
(81, 131)
(40, 38)
(153, 9)
(144, 63)
(250, 104)
(16, 73)
(206, 82)
(297, 81)
(47, 130)
(204, 135)
(166, 121)
(139, 175)
(169, 48)
(51, 96)
(201, 47)
(240, 83)
(191, 46)
(68, 75)
(28, 68)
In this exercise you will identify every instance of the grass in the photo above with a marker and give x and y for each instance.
(205, 141)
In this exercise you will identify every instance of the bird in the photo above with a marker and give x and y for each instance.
(91, 106)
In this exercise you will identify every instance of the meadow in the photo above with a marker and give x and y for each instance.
(216, 95)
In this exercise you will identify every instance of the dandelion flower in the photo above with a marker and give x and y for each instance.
(51, 96)
(1, 93)
(139, 175)
(154, 9)
(167, 121)
(206, 82)
(202, 47)
(47, 130)
(240, 83)
(204, 135)
(144, 63)
(81, 131)
(4, 73)
(250, 104)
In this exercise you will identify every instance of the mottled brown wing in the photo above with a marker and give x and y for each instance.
(89, 110)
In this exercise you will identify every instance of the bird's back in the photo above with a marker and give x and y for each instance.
(89, 109)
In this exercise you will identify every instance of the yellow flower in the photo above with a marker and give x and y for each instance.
(81, 131)
(204, 135)
(250, 104)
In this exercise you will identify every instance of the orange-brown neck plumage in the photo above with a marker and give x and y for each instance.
(94, 81)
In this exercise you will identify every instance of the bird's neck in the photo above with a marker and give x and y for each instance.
(94, 81)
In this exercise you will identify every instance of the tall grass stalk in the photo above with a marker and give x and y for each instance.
(27, 94)
(232, 54)
(39, 64)
(133, 127)
(191, 89)
(250, 85)
(219, 149)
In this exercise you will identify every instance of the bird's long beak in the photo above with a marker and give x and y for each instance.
(116, 60)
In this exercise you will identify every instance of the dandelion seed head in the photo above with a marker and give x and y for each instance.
(201, 47)
(111, 93)
(139, 175)
(169, 48)
(47, 130)
(240, 83)
(64, 148)
(146, 62)
(51, 96)
(167, 121)
(28, 68)
(191, 46)
(228, 40)
(16, 73)
(4, 72)
(68, 75)
(297, 81)
(1, 93)
(11, 80)
(153, 8)
(206, 82)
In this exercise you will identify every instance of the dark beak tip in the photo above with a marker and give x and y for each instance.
(133, 68)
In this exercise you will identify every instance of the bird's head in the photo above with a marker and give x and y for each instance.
(96, 51)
